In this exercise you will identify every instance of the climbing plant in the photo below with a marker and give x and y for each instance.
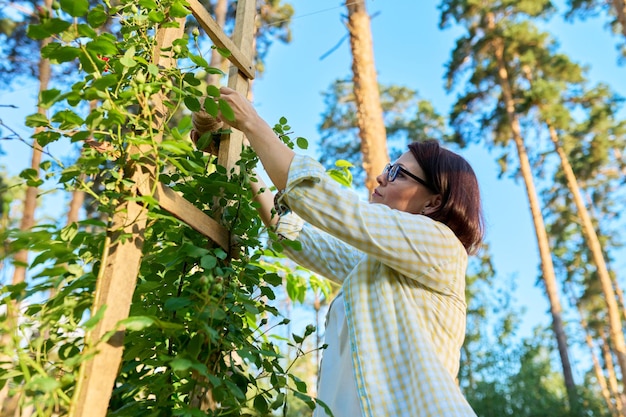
(199, 335)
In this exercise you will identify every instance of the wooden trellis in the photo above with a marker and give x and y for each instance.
(120, 264)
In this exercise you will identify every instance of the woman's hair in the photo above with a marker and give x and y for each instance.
(452, 176)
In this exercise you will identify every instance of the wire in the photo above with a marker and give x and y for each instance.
(314, 13)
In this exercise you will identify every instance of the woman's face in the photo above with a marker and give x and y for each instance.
(405, 193)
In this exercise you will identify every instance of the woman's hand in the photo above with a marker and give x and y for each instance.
(246, 116)
(274, 154)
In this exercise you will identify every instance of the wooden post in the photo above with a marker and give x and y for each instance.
(243, 36)
(117, 279)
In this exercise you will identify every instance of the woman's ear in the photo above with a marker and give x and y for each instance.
(432, 204)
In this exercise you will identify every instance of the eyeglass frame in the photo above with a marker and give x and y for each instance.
(391, 171)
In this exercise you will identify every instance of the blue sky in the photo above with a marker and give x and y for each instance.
(410, 50)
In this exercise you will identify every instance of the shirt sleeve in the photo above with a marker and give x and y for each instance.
(321, 252)
(414, 245)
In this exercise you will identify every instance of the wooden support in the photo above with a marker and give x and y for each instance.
(121, 258)
(230, 147)
(182, 209)
(114, 291)
(241, 58)
(118, 276)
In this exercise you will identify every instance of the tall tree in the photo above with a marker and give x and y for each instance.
(20, 258)
(490, 52)
(369, 111)
(559, 126)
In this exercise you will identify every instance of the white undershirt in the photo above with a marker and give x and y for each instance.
(337, 385)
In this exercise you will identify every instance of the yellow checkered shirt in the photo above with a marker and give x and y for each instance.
(403, 277)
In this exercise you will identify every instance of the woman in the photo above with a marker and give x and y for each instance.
(395, 331)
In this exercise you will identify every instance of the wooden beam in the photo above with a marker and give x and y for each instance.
(114, 292)
(117, 277)
(238, 56)
(243, 35)
(182, 209)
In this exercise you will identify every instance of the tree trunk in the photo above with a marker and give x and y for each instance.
(8, 406)
(30, 199)
(369, 110)
(620, 11)
(615, 409)
(610, 369)
(591, 237)
(619, 294)
(547, 266)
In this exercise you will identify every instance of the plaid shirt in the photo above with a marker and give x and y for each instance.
(403, 277)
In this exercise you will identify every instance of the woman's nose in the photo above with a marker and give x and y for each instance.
(381, 178)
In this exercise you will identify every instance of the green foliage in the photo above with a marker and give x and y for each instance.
(201, 320)
(525, 383)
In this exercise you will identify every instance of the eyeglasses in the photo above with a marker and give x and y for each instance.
(392, 170)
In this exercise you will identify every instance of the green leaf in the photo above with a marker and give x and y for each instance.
(190, 78)
(175, 303)
(342, 163)
(341, 177)
(29, 173)
(224, 52)
(268, 293)
(153, 69)
(68, 350)
(86, 31)
(67, 119)
(58, 53)
(156, 16)
(193, 251)
(212, 90)
(137, 323)
(48, 28)
(192, 103)
(198, 60)
(302, 143)
(102, 45)
(176, 147)
(105, 81)
(273, 279)
(300, 384)
(226, 111)
(75, 8)
(69, 232)
(148, 4)
(260, 404)
(210, 106)
(180, 364)
(37, 120)
(178, 9)
(46, 136)
(97, 16)
(129, 58)
(195, 345)
(208, 262)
